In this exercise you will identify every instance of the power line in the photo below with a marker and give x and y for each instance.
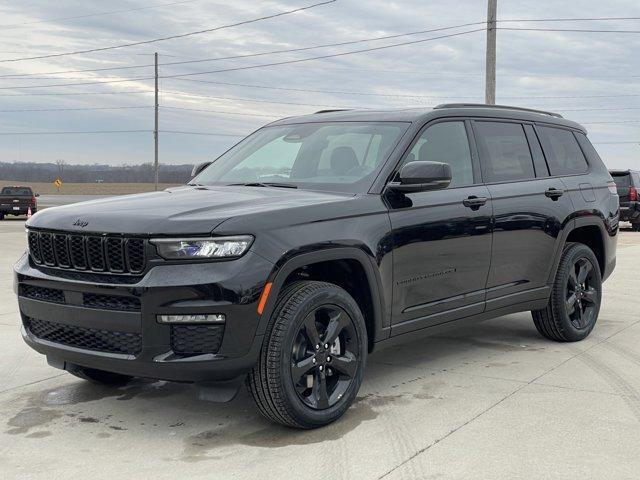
(392, 95)
(77, 17)
(583, 30)
(322, 57)
(171, 37)
(215, 97)
(72, 109)
(219, 111)
(98, 82)
(589, 19)
(76, 132)
(71, 93)
(205, 133)
(252, 55)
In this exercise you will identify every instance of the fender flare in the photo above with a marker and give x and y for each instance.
(286, 266)
(573, 224)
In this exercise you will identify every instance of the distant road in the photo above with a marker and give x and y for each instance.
(57, 200)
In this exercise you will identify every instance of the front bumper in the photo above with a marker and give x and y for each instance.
(89, 319)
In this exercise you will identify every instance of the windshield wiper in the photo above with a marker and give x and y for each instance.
(264, 184)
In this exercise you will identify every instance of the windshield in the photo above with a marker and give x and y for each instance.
(16, 191)
(339, 156)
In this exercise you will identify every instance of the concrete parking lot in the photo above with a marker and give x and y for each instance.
(495, 401)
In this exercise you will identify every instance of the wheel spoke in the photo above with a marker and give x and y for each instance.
(300, 369)
(573, 278)
(590, 295)
(571, 304)
(346, 364)
(583, 270)
(579, 316)
(337, 322)
(320, 390)
(311, 330)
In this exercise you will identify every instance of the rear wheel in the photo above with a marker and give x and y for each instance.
(100, 376)
(635, 226)
(1, 216)
(574, 303)
(313, 357)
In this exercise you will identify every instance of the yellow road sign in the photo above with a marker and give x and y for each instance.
(57, 182)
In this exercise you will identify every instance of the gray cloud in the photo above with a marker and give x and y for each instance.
(533, 67)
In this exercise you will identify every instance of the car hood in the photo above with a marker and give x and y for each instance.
(182, 210)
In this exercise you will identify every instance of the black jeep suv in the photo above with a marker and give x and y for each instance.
(319, 239)
(628, 183)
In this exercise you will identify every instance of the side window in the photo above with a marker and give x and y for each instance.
(563, 153)
(446, 142)
(504, 152)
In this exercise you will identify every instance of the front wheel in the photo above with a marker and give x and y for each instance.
(313, 356)
(575, 298)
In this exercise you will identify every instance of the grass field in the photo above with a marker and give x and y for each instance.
(87, 188)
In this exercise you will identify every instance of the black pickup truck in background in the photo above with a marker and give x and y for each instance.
(628, 185)
(16, 201)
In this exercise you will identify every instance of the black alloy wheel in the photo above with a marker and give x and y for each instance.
(574, 303)
(313, 356)
(323, 359)
(582, 297)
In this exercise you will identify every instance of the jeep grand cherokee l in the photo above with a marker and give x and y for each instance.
(319, 239)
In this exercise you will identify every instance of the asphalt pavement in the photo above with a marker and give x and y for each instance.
(494, 401)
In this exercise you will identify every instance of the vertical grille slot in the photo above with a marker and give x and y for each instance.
(108, 253)
(135, 255)
(77, 253)
(61, 250)
(115, 254)
(34, 247)
(95, 254)
(46, 248)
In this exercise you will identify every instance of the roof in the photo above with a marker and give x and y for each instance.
(422, 115)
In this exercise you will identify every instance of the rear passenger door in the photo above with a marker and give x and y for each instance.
(529, 211)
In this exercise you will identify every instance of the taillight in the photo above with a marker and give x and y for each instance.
(33, 200)
(612, 187)
(633, 194)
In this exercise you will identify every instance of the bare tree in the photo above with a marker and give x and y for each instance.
(60, 163)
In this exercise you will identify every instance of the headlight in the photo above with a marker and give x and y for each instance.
(220, 247)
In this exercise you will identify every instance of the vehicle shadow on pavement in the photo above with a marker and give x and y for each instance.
(174, 410)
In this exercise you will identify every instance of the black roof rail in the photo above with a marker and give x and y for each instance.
(329, 110)
(507, 107)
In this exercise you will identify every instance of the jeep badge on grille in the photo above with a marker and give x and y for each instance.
(80, 223)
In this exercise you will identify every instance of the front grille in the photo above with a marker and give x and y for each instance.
(111, 302)
(196, 339)
(108, 254)
(41, 293)
(85, 338)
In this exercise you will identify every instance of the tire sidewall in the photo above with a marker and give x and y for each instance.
(573, 254)
(330, 295)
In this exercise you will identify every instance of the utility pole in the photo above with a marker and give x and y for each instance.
(490, 72)
(155, 129)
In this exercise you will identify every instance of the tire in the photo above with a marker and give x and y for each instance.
(574, 304)
(100, 376)
(294, 382)
(635, 227)
(1, 216)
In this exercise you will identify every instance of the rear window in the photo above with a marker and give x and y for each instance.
(16, 191)
(504, 151)
(622, 180)
(562, 151)
(636, 179)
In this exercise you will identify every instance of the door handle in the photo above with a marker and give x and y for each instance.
(473, 202)
(554, 193)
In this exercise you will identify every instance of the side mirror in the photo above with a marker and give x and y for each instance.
(422, 176)
(199, 168)
(37, 195)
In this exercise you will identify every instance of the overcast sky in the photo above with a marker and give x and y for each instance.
(592, 78)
